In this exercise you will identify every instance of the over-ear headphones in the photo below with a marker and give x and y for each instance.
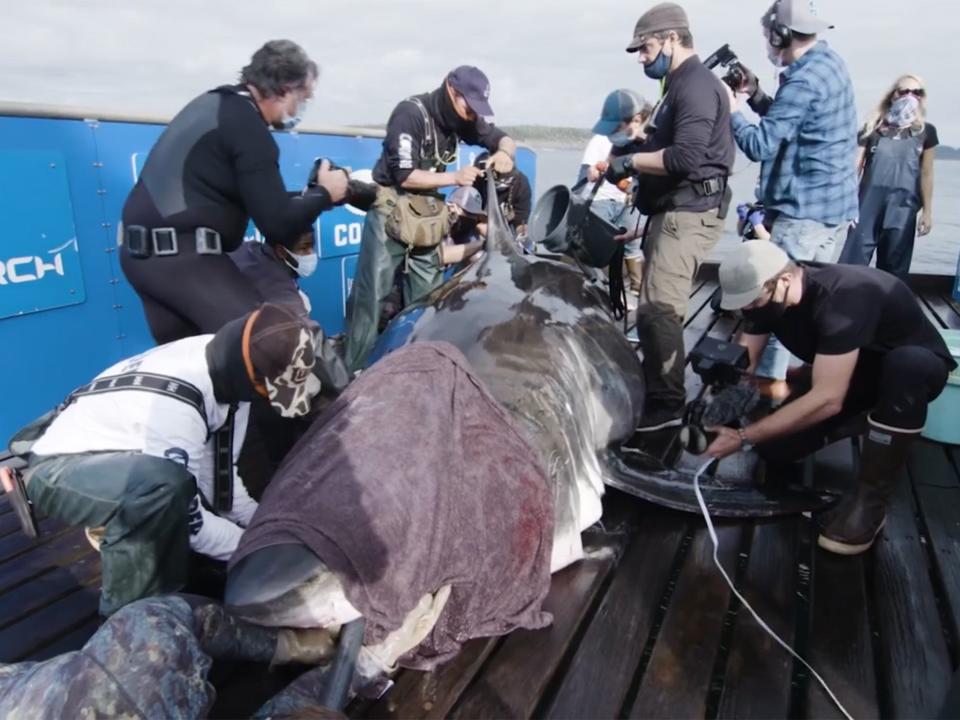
(779, 35)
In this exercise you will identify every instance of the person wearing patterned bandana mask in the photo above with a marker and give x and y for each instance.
(134, 453)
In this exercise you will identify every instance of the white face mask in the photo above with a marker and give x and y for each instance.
(289, 122)
(305, 266)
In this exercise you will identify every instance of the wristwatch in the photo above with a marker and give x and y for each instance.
(745, 444)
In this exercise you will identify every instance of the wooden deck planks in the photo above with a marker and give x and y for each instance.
(600, 675)
(840, 646)
(520, 670)
(907, 618)
(757, 682)
(678, 675)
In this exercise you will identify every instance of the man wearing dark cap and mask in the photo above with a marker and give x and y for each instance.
(147, 450)
(681, 168)
(409, 219)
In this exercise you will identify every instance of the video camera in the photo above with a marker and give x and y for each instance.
(725, 57)
(726, 401)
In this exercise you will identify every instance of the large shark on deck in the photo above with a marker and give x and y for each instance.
(540, 335)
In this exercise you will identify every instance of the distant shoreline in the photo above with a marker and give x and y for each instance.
(570, 138)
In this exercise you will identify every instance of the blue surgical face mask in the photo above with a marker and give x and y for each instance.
(621, 138)
(660, 66)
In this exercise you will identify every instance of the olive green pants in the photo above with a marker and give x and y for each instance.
(380, 259)
(143, 504)
(676, 244)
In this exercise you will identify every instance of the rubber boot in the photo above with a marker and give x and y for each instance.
(854, 524)
(226, 637)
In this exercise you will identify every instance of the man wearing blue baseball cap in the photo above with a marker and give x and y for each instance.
(409, 220)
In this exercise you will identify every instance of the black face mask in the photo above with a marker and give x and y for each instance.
(767, 314)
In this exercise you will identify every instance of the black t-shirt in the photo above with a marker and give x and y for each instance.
(403, 147)
(850, 307)
(216, 165)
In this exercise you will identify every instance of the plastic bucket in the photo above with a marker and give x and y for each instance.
(564, 223)
(548, 221)
(943, 415)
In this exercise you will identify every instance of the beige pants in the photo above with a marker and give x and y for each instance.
(676, 244)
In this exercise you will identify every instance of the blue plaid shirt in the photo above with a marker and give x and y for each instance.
(807, 141)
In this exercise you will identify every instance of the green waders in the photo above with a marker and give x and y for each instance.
(143, 503)
(380, 258)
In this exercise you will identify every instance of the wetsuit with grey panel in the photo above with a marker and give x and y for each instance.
(215, 166)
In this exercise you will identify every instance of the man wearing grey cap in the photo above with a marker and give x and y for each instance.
(409, 219)
(806, 142)
(873, 352)
(681, 168)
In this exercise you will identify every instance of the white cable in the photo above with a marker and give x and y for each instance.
(743, 600)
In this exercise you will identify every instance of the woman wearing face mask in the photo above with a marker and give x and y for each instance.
(213, 169)
(620, 125)
(895, 160)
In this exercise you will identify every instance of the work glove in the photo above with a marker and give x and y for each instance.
(755, 218)
(620, 168)
(743, 209)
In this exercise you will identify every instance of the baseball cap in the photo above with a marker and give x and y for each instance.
(665, 16)
(619, 106)
(746, 269)
(798, 15)
(470, 82)
(467, 198)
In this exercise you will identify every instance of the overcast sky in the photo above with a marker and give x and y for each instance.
(550, 61)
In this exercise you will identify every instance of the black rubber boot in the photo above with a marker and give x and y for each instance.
(851, 527)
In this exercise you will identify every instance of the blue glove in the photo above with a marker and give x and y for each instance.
(755, 218)
(620, 168)
(743, 209)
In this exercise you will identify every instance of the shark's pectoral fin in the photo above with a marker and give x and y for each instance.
(646, 477)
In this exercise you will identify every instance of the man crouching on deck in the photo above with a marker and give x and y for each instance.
(872, 350)
(150, 444)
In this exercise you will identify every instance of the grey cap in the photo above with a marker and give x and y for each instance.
(467, 198)
(665, 16)
(746, 269)
(620, 106)
(798, 15)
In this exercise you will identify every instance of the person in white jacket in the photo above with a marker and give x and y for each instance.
(148, 449)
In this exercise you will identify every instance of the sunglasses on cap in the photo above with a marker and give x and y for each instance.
(916, 92)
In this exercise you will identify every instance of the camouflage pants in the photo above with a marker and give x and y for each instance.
(150, 660)
(145, 662)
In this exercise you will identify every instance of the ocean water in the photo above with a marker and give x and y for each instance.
(934, 254)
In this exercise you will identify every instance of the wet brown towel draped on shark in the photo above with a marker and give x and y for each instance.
(416, 478)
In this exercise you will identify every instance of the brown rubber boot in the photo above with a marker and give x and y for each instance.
(851, 527)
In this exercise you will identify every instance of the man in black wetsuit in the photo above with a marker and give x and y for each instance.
(423, 134)
(213, 168)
